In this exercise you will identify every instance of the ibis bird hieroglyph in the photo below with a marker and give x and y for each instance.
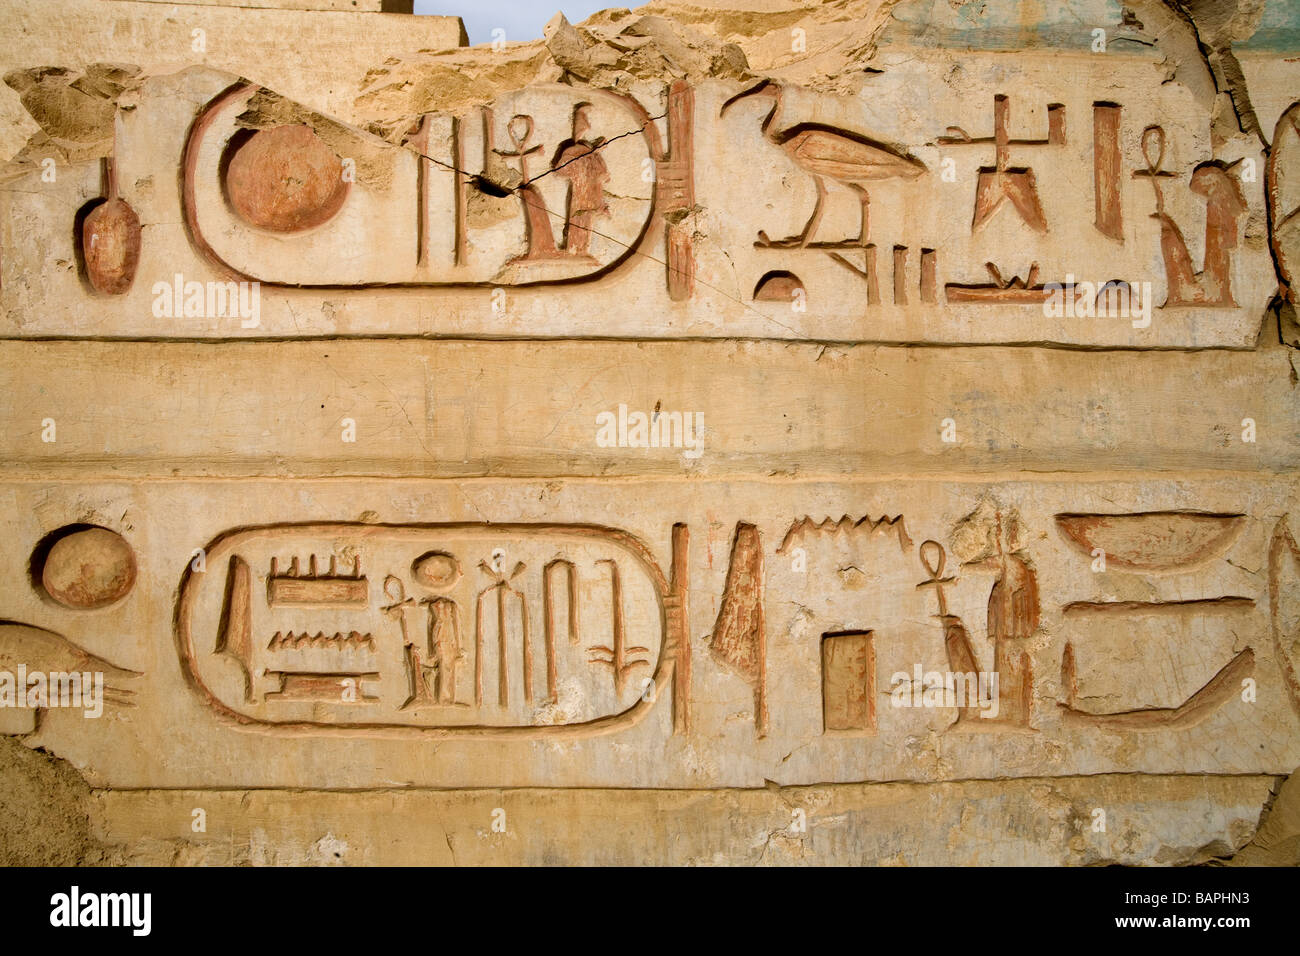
(827, 152)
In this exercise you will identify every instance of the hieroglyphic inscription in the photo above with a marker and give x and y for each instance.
(740, 634)
(1106, 162)
(848, 682)
(563, 178)
(401, 660)
(1002, 182)
(1225, 205)
(1159, 542)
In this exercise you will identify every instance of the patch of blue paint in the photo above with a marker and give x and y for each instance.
(1009, 24)
(1278, 31)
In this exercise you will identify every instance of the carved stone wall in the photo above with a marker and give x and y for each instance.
(894, 402)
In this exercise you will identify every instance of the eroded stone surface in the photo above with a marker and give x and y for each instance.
(46, 810)
(1155, 821)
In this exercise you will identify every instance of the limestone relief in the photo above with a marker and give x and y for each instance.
(457, 629)
(567, 206)
(998, 612)
(899, 214)
(766, 431)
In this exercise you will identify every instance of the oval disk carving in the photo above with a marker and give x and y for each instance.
(89, 569)
(286, 179)
(436, 570)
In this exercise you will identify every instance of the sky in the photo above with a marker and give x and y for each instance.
(521, 19)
